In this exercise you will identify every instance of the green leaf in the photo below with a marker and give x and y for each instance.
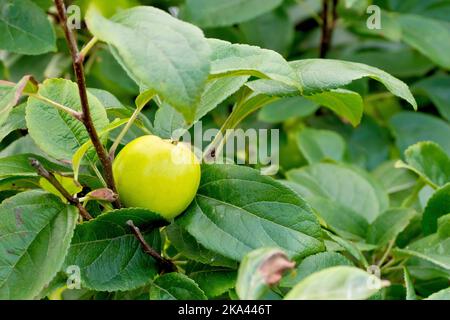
(10, 94)
(317, 145)
(167, 119)
(341, 219)
(110, 258)
(320, 75)
(434, 248)
(430, 37)
(67, 133)
(19, 166)
(344, 103)
(312, 264)
(214, 281)
(389, 225)
(369, 144)
(175, 286)
(410, 292)
(287, 108)
(259, 270)
(410, 128)
(437, 206)
(344, 185)
(336, 283)
(230, 193)
(274, 30)
(394, 179)
(15, 121)
(429, 161)
(217, 13)
(159, 52)
(239, 59)
(36, 229)
(436, 87)
(350, 247)
(24, 28)
(444, 294)
(190, 248)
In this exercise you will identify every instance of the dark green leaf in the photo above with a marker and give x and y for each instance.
(175, 286)
(438, 205)
(110, 258)
(270, 214)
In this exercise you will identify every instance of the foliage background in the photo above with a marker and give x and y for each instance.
(375, 209)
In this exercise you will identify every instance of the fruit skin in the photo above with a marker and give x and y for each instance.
(156, 174)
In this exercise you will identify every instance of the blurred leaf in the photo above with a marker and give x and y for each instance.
(286, 108)
(441, 295)
(272, 30)
(344, 186)
(215, 13)
(434, 248)
(437, 206)
(24, 28)
(410, 128)
(318, 145)
(389, 225)
(436, 87)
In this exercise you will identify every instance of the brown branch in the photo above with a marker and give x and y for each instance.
(50, 177)
(165, 264)
(77, 60)
(327, 26)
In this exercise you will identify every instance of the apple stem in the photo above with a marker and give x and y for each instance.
(86, 119)
(50, 177)
(165, 264)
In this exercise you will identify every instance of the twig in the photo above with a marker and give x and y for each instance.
(77, 60)
(50, 177)
(386, 253)
(85, 50)
(112, 150)
(327, 26)
(165, 264)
